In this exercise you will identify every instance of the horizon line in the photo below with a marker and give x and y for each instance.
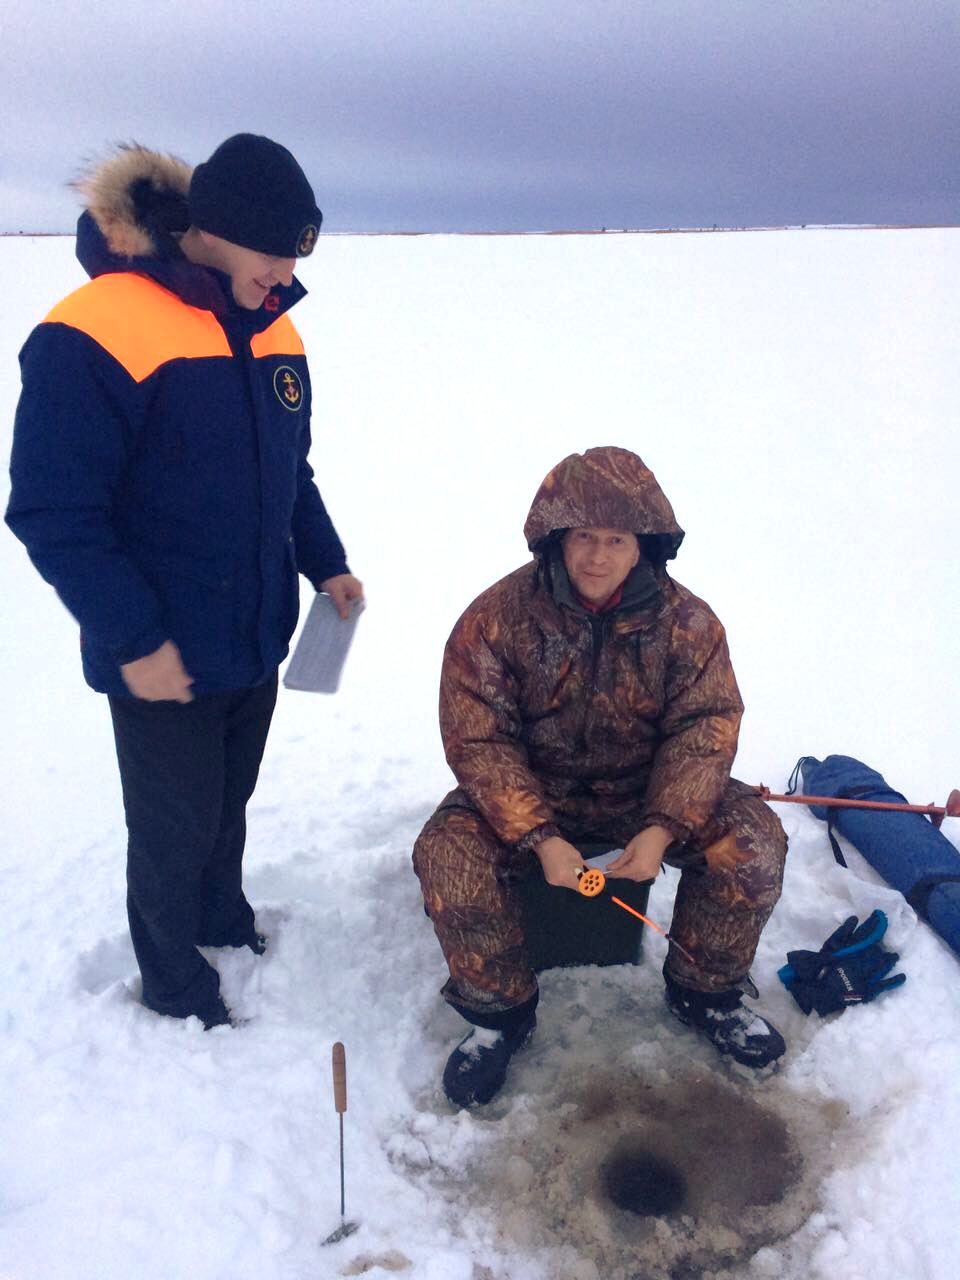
(715, 229)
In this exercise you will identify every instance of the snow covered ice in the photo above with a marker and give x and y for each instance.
(795, 392)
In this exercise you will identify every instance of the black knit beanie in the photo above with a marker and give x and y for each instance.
(253, 193)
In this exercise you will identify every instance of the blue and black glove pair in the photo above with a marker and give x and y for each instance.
(850, 968)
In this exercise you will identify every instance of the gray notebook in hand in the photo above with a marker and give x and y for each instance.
(322, 647)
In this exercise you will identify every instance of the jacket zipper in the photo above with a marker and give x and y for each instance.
(598, 633)
(599, 626)
(239, 343)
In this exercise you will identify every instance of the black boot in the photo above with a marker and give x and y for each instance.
(727, 1023)
(218, 1015)
(256, 941)
(214, 1013)
(477, 1068)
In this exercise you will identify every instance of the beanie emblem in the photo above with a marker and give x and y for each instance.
(288, 388)
(307, 240)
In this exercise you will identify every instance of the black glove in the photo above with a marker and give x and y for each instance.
(850, 968)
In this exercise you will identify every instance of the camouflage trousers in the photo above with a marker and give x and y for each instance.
(730, 880)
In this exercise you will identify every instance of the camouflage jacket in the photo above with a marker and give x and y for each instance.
(552, 714)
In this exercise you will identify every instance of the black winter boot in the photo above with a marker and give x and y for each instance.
(724, 1020)
(477, 1068)
(218, 1015)
(254, 939)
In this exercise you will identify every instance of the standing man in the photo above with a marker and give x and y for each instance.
(589, 698)
(160, 483)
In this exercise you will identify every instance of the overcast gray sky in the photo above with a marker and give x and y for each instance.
(445, 115)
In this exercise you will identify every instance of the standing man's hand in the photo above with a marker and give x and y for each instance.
(642, 857)
(159, 677)
(560, 862)
(343, 590)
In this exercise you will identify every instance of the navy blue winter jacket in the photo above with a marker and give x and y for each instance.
(159, 471)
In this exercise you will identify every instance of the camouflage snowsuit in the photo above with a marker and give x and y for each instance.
(592, 726)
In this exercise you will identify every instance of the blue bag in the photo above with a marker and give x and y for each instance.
(905, 848)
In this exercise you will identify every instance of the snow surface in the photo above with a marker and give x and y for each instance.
(796, 394)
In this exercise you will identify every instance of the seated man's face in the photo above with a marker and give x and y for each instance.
(598, 560)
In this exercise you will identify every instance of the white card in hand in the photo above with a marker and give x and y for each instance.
(321, 651)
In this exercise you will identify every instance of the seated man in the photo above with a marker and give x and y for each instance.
(589, 697)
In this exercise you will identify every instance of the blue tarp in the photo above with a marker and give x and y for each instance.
(905, 848)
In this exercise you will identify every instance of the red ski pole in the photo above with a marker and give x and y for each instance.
(935, 812)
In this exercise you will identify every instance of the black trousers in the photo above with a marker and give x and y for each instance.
(188, 770)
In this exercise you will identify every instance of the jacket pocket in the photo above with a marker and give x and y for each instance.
(199, 607)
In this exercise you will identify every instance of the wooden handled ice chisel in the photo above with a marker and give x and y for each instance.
(340, 1104)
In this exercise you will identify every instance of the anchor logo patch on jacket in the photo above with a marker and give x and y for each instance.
(288, 387)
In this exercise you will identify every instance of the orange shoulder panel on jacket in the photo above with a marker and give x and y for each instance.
(281, 339)
(141, 324)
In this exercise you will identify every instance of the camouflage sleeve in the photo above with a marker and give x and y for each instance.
(699, 727)
(480, 724)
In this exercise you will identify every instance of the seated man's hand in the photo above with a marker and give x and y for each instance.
(343, 589)
(159, 677)
(642, 857)
(560, 862)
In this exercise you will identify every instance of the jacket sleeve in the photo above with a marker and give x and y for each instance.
(320, 553)
(480, 725)
(75, 427)
(699, 726)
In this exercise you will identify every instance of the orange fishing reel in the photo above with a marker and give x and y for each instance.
(590, 882)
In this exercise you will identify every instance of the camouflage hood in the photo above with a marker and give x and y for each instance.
(604, 488)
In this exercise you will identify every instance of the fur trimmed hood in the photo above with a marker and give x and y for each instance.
(136, 210)
(137, 198)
